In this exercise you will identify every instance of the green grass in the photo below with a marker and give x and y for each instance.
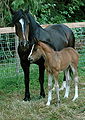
(12, 106)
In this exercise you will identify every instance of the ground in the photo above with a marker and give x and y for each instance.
(12, 106)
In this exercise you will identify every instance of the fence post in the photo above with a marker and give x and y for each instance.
(17, 56)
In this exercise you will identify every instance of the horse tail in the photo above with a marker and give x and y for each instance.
(73, 40)
(71, 72)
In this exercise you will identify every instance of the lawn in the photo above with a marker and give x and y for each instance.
(12, 106)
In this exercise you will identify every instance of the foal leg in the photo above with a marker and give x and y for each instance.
(57, 91)
(67, 83)
(49, 89)
(53, 89)
(75, 73)
(64, 83)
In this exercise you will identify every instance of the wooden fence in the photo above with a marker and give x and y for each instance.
(71, 25)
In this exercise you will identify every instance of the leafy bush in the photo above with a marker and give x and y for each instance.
(46, 11)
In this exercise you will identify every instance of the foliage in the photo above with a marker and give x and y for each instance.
(45, 11)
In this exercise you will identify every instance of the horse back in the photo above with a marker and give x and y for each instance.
(61, 36)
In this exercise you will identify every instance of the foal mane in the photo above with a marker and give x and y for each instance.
(45, 47)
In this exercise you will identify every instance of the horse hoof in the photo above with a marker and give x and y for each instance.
(26, 99)
(42, 95)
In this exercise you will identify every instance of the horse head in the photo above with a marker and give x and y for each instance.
(21, 22)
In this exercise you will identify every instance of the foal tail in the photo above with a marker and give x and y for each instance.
(70, 72)
(75, 57)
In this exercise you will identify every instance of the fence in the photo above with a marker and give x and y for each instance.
(9, 60)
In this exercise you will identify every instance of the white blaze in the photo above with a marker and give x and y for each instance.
(22, 24)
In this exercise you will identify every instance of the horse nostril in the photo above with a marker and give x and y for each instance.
(30, 58)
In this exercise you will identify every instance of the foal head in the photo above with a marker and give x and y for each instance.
(36, 53)
(40, 50)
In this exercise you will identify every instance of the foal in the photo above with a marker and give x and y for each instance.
(54, 63)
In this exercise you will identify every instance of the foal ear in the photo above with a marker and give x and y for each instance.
(12, 11)
(35, 41)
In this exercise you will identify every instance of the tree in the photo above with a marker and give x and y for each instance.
(45, 11)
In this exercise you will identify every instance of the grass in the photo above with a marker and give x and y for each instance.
(12, 106)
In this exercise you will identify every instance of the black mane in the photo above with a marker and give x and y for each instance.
(33, 26)
(17, 16)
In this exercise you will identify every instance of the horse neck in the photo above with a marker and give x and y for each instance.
(33, 27)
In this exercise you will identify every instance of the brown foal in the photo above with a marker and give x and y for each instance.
(56, 61)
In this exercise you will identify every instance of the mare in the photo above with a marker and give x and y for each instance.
(56, 61)
(58, 36)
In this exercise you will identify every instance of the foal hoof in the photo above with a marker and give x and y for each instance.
(48, 104)
(74, 99)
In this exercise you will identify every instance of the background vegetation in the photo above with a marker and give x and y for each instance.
(45, 11)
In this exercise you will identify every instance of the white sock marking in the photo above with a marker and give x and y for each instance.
(49, 89)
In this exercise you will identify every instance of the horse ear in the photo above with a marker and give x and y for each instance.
(27, 10)
(12, 11)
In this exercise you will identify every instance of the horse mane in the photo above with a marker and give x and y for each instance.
(33, 25)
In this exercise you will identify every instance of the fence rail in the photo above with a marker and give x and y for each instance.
(71, 25)
(9, 60)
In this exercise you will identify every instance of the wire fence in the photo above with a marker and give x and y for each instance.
(9, 60)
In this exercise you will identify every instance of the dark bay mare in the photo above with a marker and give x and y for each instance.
(58, 36)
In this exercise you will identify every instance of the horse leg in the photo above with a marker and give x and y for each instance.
(25, 66)
(41, 80)
(49, 89)
(76, 88)
(67, 83)
(64, 83)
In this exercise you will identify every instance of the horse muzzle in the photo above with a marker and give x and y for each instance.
(31, 59)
